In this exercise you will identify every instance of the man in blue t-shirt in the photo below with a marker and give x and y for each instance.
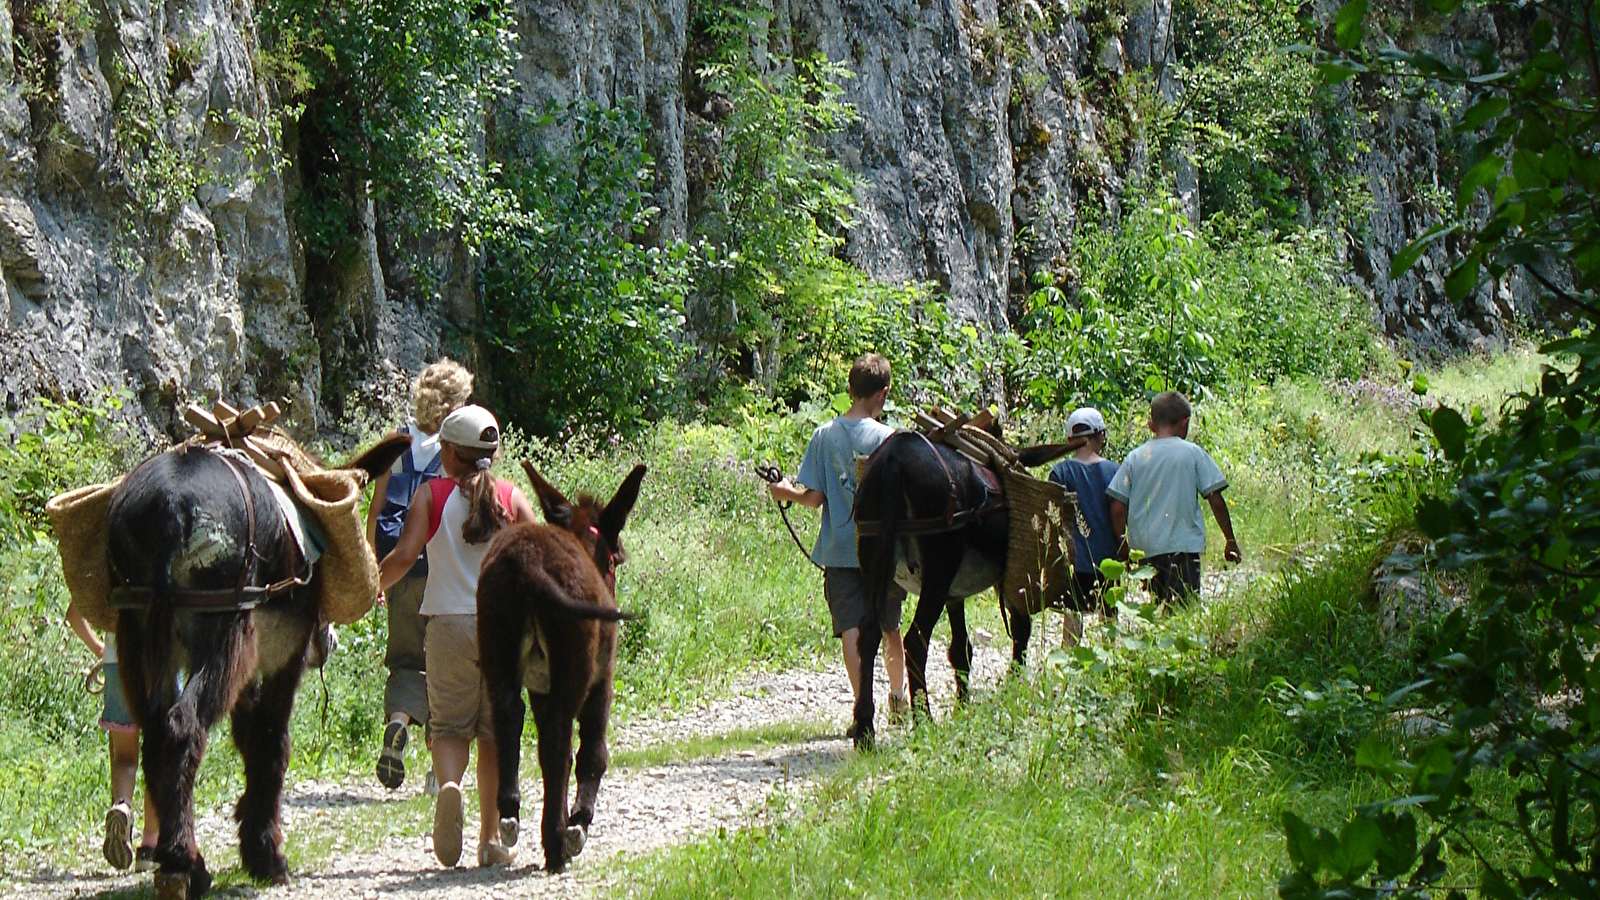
(1086, 473)
(1156, 495)
(827, 480)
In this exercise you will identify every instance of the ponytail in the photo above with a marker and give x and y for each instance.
(485, 516)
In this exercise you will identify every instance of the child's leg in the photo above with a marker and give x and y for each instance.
(894, 660)
(124, 765)
(488, 792)
(450, 756)
(852, 659)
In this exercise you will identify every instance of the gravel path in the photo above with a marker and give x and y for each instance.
(639, 811)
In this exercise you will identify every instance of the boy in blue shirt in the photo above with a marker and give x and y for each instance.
(827, 481)
(1086, 473)
(1156, 498)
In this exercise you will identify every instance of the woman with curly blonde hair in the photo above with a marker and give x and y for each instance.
(441, 389)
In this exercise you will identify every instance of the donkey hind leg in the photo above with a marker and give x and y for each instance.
(960, 654)
(224, 656)
(1021, 633)
(594, 756)
(500, 658)
(869, 636)
(553, 719)
(261, 733)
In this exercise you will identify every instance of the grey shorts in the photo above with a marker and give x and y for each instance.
(846, 594)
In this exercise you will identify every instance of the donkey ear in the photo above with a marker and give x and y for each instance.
(557, 510)
(615, 515)
(378, 458)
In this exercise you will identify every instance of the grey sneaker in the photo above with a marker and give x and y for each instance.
(430, 785)
(118, 847)
(392, 758)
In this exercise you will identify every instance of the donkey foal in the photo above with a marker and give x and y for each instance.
(552, 588)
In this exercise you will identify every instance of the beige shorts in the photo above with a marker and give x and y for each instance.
(458, 700)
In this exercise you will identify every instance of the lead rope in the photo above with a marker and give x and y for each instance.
(771, 474)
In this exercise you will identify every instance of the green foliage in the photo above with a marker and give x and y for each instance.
(393, 92)
(1160, 305)
(775, 215)
(39, 28)
(1263, 136)
(586, 318)
(1512, 670)
(51, 447)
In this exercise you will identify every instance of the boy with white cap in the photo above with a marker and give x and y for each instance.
(1087, 474)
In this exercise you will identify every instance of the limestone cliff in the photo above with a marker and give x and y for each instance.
(148, 241)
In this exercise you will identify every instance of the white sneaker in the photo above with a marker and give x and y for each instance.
(118, 847)
(447, 825)
(430, 785)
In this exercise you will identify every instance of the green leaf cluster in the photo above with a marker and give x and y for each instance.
(1513, 671)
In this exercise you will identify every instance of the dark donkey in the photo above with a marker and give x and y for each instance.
(936, 521)
(551, 589)
(213, 585)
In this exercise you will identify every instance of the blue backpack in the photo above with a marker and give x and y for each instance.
(397, 499)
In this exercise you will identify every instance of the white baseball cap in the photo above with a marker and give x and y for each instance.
(1085, 420)
(471, 426)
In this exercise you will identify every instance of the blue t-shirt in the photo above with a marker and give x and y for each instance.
(830, 467)
(1089, 481)
(1162, 482)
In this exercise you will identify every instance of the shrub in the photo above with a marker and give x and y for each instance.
(583, 319)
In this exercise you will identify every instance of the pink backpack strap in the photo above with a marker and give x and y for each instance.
(440, 489)
(502, 492)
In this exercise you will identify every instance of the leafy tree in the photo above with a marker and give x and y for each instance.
(775, 215)
(394, 92)
(1514, 671)
(584, 318)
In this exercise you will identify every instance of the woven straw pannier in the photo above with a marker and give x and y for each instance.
(79, 521)
(1039, 549)
(349, 581)
(348, 569)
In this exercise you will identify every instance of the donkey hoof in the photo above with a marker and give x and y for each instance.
(172, 886)
(573, 839)
(508, 832)
(865, 740)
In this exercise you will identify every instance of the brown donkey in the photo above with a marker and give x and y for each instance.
(550, 590)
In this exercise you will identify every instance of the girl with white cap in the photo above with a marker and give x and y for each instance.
(454, 519)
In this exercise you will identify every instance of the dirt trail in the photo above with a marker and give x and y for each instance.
(639, 810)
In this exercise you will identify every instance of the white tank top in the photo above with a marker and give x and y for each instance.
(453, 564)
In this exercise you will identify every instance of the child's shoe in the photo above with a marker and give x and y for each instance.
(899, 705)
(392, 758)
(144, 859)
(495, 855)
(447, 825)
(118, 848)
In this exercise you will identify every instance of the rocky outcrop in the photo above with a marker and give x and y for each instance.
(143, 244)
(147, 239)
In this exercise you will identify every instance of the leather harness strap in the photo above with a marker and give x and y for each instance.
(953, 519)
(243, 595)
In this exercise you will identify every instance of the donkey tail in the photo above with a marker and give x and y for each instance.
(877, 554)
(550, 598)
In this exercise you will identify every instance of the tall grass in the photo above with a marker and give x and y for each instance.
(722, 591)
